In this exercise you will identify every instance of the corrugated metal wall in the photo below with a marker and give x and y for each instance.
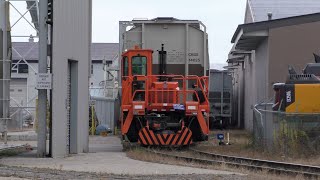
(220, 96)
(220, 80)
(107, 111)
(71, 42)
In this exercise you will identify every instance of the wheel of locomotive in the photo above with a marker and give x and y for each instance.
(197, 134)
(211, 123)
(200, 95)
(133, 132)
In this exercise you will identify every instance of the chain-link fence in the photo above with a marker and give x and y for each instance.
(110, 92)
(290, 134)
(22, 118)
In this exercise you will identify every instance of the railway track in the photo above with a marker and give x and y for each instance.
(247, 163)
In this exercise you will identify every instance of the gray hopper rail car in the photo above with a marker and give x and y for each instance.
(220, 98)
(185, 41)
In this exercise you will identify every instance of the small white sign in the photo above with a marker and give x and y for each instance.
(44, 81)
(138, 107)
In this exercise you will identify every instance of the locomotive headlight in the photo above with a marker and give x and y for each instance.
(192, 108)
(138, 107)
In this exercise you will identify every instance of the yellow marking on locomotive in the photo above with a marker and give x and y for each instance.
(307, 99)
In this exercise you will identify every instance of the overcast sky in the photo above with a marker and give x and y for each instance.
(220, 16)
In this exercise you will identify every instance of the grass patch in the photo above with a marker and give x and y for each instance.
(141, 154)
(15, 151)
(242, 145)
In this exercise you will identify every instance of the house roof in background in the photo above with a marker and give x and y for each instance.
(99, 51)
(282, 8)
(26, 50)
(108, 51)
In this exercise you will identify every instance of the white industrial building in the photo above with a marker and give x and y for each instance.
(25, 66)
(258, 58)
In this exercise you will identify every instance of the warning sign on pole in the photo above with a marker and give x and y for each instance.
(44, 81)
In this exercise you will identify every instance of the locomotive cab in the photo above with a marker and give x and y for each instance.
(136, 64)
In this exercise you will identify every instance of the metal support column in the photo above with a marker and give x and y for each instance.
(206, 65)
(205, 48)
(143, 45)
(186, 71)
(42, 93)
(6, 69)
(122, 47)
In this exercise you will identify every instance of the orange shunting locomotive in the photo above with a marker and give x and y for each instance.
(163, 109)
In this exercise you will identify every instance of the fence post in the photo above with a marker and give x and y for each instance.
(93, 123)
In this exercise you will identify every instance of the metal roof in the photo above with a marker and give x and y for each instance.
(163, 20)
(108, 51)
(235, 58)
(248, 36)
(99, 51)
(26, 50)
(282, 8)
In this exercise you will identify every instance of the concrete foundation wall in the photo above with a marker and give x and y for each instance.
(71, 43)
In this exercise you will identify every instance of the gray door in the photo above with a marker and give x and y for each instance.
(18, 92)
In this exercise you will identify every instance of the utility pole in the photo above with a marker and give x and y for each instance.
(6, 69)
(42, 93)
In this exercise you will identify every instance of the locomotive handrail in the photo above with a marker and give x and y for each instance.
(199, 84)
(184, 90)
(178, 91)
(126, 92)
(204, 89)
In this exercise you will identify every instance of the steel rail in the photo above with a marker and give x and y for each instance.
(250, 164)
(263, 163)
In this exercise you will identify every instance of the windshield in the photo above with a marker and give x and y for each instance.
(139, 65)
(125, 67)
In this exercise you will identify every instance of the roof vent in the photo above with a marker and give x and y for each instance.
(269, 16)
(31, 39)
(165, 19)
(140, 19)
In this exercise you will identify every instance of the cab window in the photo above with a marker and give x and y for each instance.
(139, 65)
(125, 67)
